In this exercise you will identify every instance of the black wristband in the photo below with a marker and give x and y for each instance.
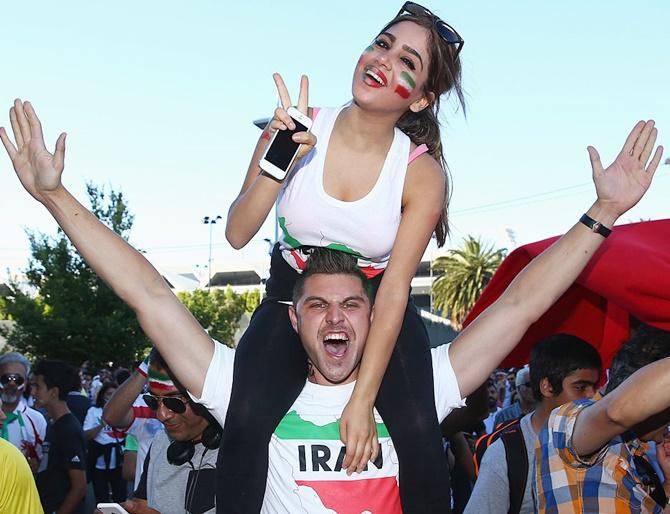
(595, 226)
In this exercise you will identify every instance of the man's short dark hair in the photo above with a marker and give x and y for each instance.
(556, 356)
(57, 373)
(121, 375)
(647, 344)
(324, 261)
(157, 361)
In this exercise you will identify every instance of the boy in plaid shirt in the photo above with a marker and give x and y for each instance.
(590, 456)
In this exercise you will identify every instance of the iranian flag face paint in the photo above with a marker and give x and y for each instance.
(405, 85)
(365, 52)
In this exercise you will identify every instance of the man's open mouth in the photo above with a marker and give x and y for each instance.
(336, 344)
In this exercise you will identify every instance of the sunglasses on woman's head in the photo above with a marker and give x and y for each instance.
(11, 377)
(176, 405)
(446, 31)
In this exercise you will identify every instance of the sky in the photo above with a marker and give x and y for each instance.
(158, 100)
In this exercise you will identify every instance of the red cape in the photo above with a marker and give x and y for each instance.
(629, 274)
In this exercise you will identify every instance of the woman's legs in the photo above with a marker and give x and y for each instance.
(270, 371)
(100, 485)
(119, 489)
(406, 403)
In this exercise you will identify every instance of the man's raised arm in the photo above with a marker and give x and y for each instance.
(624, 407)
(182, 342)
(497, 330)
(118, 411)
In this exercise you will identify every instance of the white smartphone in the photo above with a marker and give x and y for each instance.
(282, 150)
(111, 508)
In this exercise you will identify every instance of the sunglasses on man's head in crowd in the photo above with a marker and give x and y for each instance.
(12, 377)
(446, 31)
(175, 404)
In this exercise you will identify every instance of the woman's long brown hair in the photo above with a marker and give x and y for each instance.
(423, 127)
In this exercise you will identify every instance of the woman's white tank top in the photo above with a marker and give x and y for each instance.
(366, 228)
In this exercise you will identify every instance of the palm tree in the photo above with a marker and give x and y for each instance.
(465, 273)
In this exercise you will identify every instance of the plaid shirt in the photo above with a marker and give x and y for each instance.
(605, 482)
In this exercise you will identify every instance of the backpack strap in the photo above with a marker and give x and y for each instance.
(487, 440)
(517, 465)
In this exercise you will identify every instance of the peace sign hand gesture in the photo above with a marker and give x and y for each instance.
(38, 170)
(623, 183)
(282, 121)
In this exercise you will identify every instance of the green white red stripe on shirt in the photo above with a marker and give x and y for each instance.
(316, 464)
(292, 426)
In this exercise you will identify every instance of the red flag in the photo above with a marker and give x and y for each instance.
(628, 275)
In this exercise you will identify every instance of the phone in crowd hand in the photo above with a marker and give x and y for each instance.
(282, 150)
(111, 508)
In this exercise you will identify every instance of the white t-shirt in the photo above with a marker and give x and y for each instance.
(108, 435)
(366, 228)
(305, 451)
(28, 430)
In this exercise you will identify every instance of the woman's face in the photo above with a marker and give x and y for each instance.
(391, 73)
(108, 394)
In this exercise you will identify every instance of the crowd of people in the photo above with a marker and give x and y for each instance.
(53, 416)
(333, 400)
(114, 430)
(140, 440)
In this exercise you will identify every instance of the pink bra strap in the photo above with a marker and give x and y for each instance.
(419, 150)
(315, 111)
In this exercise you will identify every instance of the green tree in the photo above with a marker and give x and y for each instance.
(74, 315)
(3, 309)
(219, 310)
(464, 275)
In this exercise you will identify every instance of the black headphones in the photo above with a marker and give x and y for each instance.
(181, 452)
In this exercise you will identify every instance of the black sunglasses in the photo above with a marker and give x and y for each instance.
(446, 31)
(12, 377)
(176, 405)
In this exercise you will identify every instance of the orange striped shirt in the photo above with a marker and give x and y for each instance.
(608, 481)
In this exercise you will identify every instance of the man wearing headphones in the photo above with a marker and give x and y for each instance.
(179, 470)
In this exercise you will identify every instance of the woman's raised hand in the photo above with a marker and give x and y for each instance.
(38, 170)
(282, 121)
(621, 185)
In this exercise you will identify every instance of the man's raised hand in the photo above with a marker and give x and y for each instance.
(38, 170)
(621, 185)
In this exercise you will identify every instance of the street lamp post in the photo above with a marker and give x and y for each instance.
(210, 221)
